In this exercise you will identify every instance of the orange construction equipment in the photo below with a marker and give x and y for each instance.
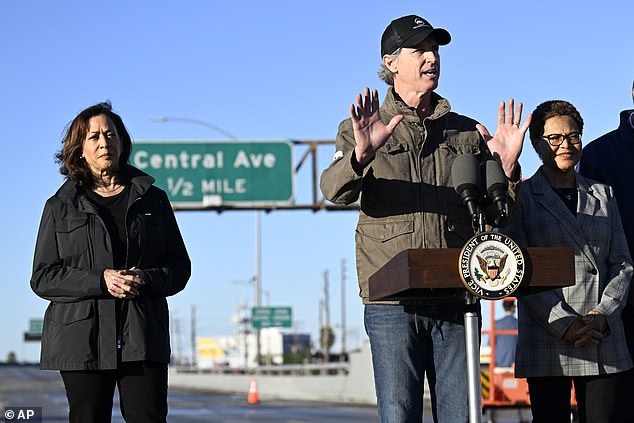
(500, 388)
(252, 398)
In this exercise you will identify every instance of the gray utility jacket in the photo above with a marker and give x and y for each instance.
(407, 195)
(73, 249)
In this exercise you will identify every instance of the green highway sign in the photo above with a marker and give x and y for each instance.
(35, 330)
(36, 326)
(271, 317)
(208, 174)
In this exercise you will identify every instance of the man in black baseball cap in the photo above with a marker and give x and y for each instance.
(396, 160)
(410, 31)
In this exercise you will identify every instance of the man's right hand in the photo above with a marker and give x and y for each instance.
(370, 133)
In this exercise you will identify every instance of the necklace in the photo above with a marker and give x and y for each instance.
(109, 191)
(566, 193)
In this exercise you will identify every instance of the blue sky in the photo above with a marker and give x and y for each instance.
(267, 70)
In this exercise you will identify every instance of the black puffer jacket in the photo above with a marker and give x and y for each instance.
(73, 249)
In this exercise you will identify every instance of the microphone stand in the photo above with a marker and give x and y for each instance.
(472, 336)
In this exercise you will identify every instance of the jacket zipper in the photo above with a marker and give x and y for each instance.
(89, 209)
(422, 131)
(127, 255)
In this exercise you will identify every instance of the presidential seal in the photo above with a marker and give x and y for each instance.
(491, 265)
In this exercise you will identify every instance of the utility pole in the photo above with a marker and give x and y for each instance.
(258, 281)
(193, 336)
(177, 337)
(343, 308)
(326, 300)
(320, 322)
(326, 330)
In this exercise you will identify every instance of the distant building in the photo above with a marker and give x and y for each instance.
(276, 347)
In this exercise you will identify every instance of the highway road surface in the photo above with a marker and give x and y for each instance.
(26, 387)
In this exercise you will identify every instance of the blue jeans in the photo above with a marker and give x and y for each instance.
(408, 342)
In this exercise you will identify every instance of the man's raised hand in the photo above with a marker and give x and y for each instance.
(370, 133)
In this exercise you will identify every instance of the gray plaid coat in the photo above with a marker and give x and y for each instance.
(603, 270)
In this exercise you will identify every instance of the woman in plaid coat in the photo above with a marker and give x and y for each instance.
(572, 335)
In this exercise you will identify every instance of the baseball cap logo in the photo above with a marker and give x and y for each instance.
(418, 22)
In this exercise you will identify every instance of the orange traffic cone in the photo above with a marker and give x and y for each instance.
(252, 398)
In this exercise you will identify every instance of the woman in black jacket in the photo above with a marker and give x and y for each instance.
(108, 253)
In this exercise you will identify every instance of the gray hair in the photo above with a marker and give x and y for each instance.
(384, 73)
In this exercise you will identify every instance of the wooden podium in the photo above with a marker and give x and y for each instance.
(433, 273)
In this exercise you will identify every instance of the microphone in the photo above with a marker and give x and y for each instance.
(497, 190)
(465, 172)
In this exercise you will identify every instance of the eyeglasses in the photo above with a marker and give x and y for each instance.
(557, 139)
